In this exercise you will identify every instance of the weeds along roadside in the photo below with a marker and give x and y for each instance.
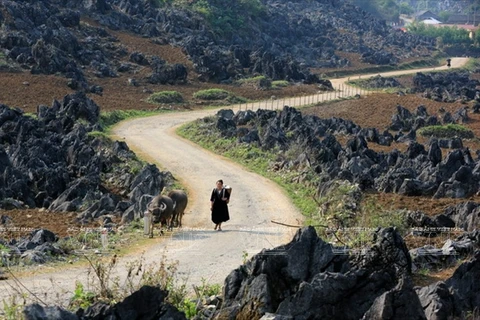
(327, 213)
(104, 285)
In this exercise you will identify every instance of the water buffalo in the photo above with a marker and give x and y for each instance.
(161, 210)
(180, 201)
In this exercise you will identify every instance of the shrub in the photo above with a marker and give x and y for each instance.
(212, 94)
(236, 99)
(280, 84)
(227, 20)
(166, 97)
(218, 94)
(446, 131)
(259, 82)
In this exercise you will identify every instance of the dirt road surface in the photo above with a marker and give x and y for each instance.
(201, 252)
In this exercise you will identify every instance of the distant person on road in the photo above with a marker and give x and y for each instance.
(219, 205)
(449, 62)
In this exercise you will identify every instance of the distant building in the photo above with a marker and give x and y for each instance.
(431, 21)
(426, 15)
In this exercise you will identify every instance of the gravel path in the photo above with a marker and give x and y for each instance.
(200, 251)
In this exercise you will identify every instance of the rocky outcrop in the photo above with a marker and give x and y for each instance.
(421, 170)
(305, 278)
(54, 162)
(308, 278)
(146, 303)
(381, 82)
(446, 87)
(465, 215)
(280, 40)
(39, 247)
(455, 297)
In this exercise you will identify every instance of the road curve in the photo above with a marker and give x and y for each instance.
(200, 251)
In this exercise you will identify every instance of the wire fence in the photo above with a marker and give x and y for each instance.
(342, 91)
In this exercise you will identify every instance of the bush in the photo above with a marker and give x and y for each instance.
(448, 35)
(446, 131)
(280, 84)
(259, 82)
(230, 19)
(212, 94)
(236, 99)
(218, 94)
(166, 97)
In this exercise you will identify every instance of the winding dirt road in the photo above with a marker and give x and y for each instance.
(200, 251)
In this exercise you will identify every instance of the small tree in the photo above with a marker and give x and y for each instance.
(405, 8)
(440, 43)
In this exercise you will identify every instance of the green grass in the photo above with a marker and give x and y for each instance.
(251, 80)
(447, 131)
(258, 81)
(472, 64)
(364, 84)
(212, 94)
(110, 118)
(99, 134)
(280, 84)
(3, 59)
(165, 97)
(253, 158)
(216, 94)
(368, 216)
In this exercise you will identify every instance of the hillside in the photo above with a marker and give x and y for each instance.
(391, 9)
(180, 43)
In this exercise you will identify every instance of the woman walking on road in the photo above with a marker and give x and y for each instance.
(218, 205)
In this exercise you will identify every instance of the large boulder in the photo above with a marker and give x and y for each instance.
(37, 312)
(305, 279)
(401, 302)
(146, 303)
(455, 297)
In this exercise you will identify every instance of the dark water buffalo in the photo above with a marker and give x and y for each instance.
(180, 201)
(161, 210)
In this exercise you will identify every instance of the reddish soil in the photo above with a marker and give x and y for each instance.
(376, 110)
(23, 222)
(27, 91)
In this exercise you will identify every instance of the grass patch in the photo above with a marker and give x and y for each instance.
(280, 84)
(104, 286)
(341, 210)
(99, 134)
(253, 158)
(258, 82)
(110, 118)
(216, 94)
(3, 59)
(164, 97)
(472, 64)
(252, 80)
(447, 131)
(212, 94)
